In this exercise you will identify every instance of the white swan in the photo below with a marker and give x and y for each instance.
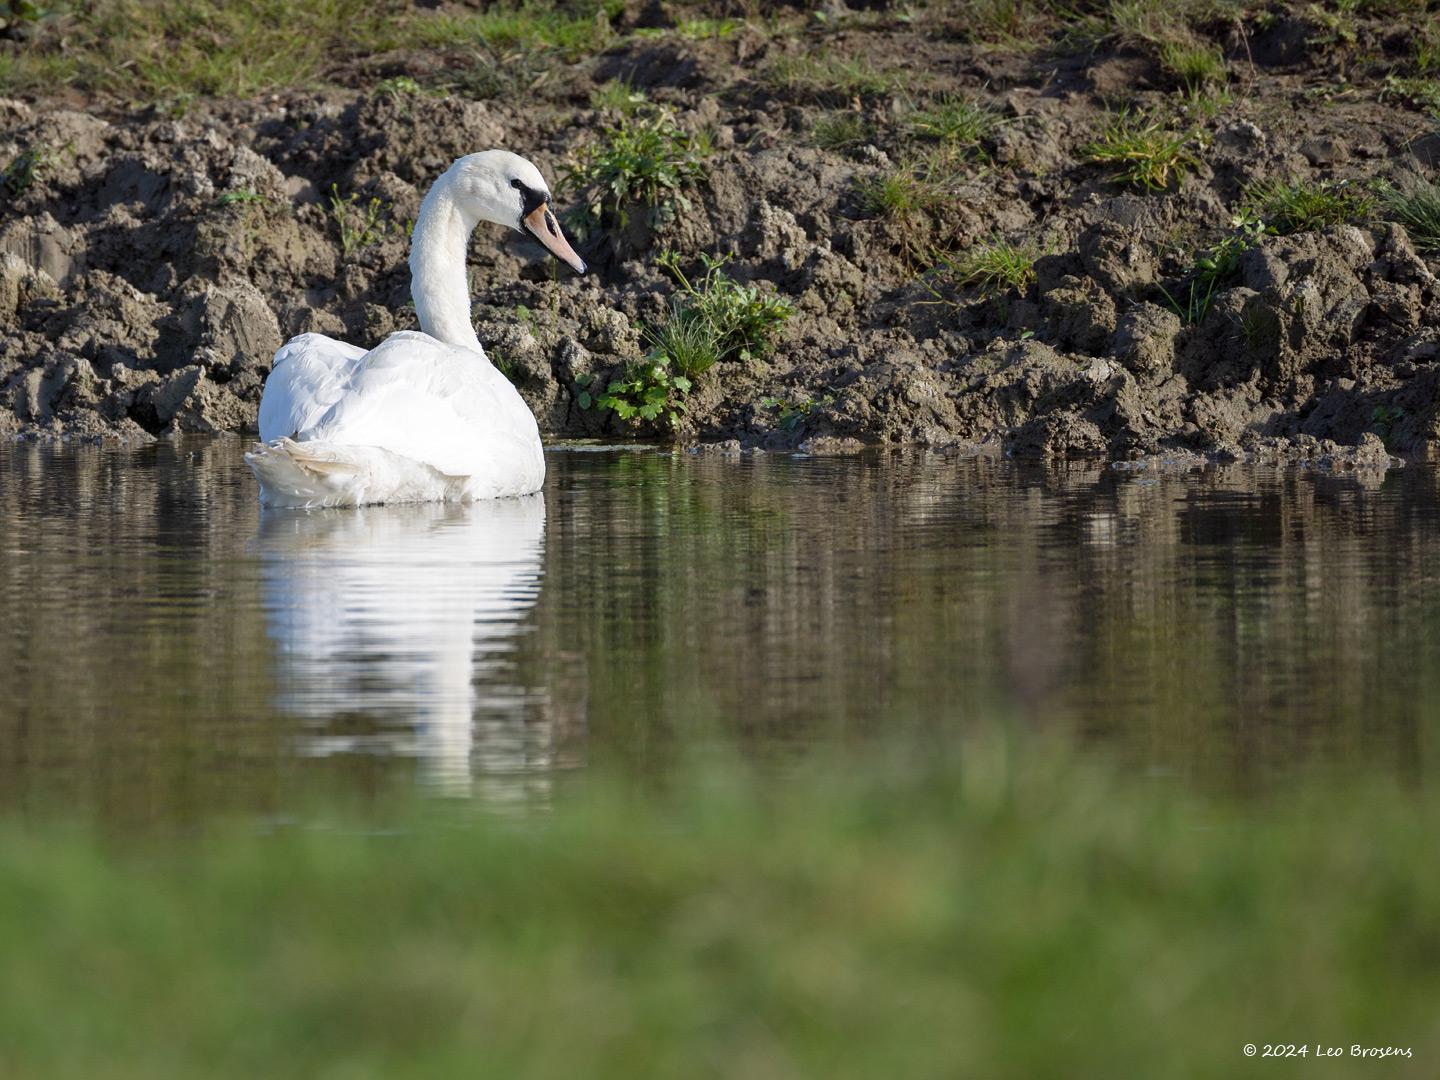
(422, 417)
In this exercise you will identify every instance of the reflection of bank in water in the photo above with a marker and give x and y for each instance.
(395, 630)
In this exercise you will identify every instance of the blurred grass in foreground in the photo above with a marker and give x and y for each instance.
(988, 914)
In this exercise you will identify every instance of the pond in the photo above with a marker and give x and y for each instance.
(171, 651)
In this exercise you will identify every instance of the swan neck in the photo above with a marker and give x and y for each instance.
(439, 282)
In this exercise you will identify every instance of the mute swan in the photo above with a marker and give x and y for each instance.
(422, 417)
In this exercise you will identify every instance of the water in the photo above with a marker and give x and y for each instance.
(171, 652)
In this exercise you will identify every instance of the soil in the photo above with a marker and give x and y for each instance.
(153, 266)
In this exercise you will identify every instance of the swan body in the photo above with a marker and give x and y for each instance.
(425, 416)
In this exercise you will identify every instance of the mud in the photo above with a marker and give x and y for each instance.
(155, 263)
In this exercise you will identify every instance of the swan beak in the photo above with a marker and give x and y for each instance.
(541, 221)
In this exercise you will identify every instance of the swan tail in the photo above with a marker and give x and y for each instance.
(318, 474)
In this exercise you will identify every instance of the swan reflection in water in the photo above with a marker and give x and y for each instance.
(388, 618)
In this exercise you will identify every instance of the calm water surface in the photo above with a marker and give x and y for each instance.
(170, 651)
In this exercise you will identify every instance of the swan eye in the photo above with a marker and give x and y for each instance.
(515, 183)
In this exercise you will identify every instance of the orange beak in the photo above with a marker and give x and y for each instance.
(541, 221)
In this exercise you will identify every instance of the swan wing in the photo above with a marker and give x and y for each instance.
(309, 375)
(439, 404)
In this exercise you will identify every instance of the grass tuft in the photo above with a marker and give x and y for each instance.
(1420, 93)
(1415, 205)
(903, 192)
(955, 120)
(992, 268)
(1301, 207)
(1197, 66)
(1142, 152)
(839, 130)
(738, 321)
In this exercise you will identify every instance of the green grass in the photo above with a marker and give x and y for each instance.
(902, 193)
(1199, 67)
(641, 162)
(1415, 205)
(707, 29)
(825, 77)
(711, 319)
(1142, 152)
(734, 321)
(992, 268)
(1421, 93)
(838, 130)
(619, 96)
(1301, 206)
(151, 51)
(954, 120)
(1426, 50)
(995, 911)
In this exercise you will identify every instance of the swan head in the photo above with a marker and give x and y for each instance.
(502, 187)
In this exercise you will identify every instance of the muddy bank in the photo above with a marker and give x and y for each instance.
(150, 264)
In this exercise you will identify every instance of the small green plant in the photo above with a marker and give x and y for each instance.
(1143, 152)
(838, 130)
(1214, 269)
(955, 121)
(648, 390)
(1415, 205)
(791, 414)
(992, 268)
(1383, 421)
(620, 96)
(27, 167)
(360, 225)
(1300, 207)
(1197, 66)
(716, 318)
(640, 161)
(397, 87)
